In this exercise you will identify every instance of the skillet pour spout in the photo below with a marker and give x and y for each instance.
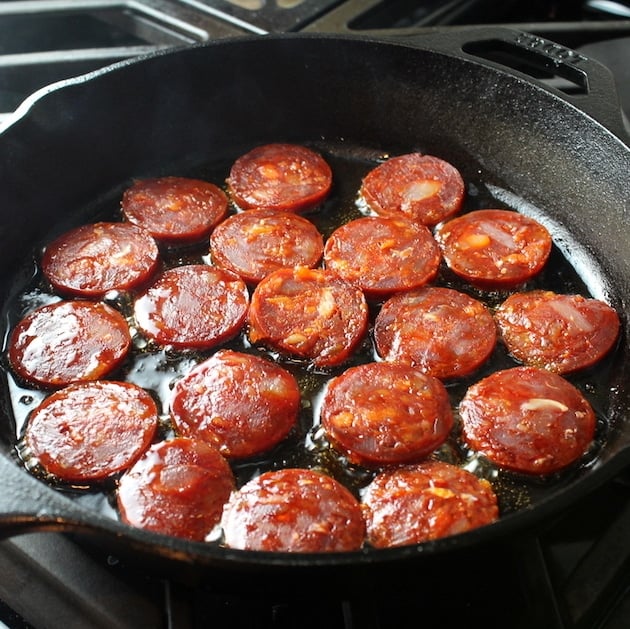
(70, 150)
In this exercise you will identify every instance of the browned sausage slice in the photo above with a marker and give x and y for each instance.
(177, 488)
(68, 341)
(93, 259)
(561, 333)
(494, 248)
(193, 306)
(386, 413)
(241, 404)
(308, 313)
(90, 430)
(175, 209)
(255, 243)
(286, 177)
(423, 188)
(528, 420)
(293, 510)
(443, 332)
(383, 256)
(427, 501)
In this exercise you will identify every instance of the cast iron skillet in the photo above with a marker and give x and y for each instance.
(74, 144)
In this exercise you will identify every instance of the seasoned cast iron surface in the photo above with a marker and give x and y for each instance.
(516, 145)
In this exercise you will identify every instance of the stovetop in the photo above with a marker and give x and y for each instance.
(572, 574)
(43, 41)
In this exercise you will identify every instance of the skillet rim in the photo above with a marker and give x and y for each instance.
(211, 554)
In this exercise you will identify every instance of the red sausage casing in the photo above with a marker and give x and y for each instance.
(441, 331)
(90, 430)
(561, 333)
(381, 413)
(383, 256)
(93, 259)
(177, 488)
(427, 501)
(239, 403)
(193, 306)
(286, 177)
(528, 420)
(293, 510)
(494, 248)
(255, 243)
(308, 313)
(423, 188)
(175, 209)
(69, 341)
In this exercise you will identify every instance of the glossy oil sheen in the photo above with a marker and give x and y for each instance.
(71, 152)
(157, 368)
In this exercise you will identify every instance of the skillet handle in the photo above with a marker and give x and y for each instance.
(576, 78)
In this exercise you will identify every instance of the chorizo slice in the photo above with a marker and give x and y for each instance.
(561, 333)
(194, 306)
(527, 420)
(494, 248)
(175, 210)
(308, 313)
(383, 413)
(383, 256)
(255, 243)
(68, 341)
(427, 501)
(423, 188)
(293, 510)
(239, 403)
(91, 260)
(88, 431)
(439, 330)
(280, 176)
(178, 487)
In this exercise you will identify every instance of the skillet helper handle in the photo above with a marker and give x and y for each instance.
(576, 78)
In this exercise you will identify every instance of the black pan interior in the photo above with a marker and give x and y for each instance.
(67, 160)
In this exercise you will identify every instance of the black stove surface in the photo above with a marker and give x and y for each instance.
(573, 574)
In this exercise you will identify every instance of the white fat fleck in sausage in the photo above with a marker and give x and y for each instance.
(543, 404)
